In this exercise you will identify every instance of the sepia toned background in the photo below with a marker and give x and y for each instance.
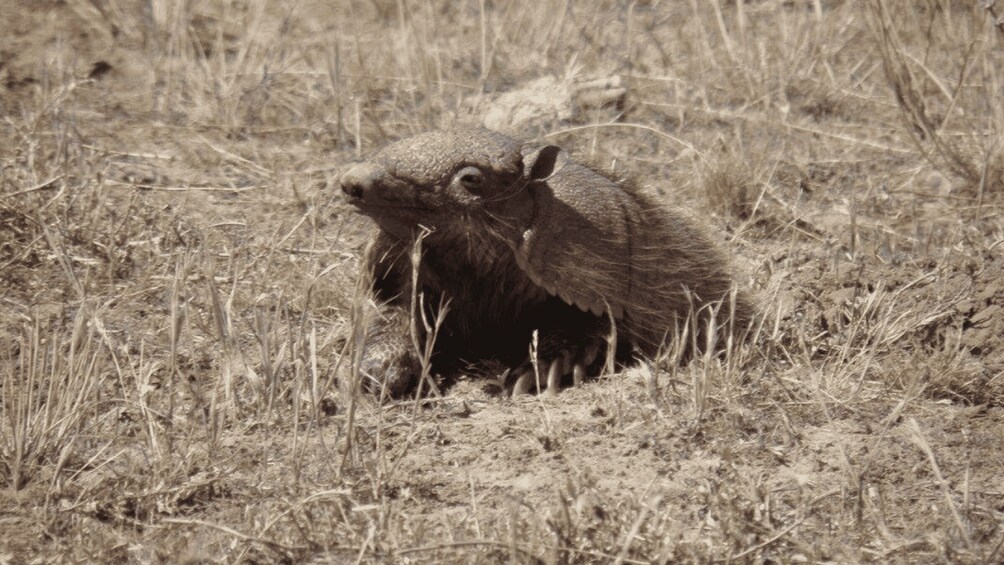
(179, 301)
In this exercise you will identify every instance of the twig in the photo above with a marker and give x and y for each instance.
(41, 186)
(921, 441)
(184, 188)
(629, 125)
(255, 167)
(235, 533)
(504, 545)
(127, 154)
(782, 533)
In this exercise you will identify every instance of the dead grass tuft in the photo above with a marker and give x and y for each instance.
(946, 87)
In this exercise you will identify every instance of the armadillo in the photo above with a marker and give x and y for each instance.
(523, 239)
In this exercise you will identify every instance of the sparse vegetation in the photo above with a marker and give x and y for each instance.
(180, 314)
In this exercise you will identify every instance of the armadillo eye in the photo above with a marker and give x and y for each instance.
(471, 178)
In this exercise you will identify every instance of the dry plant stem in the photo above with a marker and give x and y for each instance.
(233, 190)
(65, 263)
(223, 333)
(358, 322)
(46, 401)
(40, 186)
(631, 126)
(922, 443)
(997, 549)
(515, 550)
(424, 341)
(991, 7)
(535, 362)
(177, 320)
(789, 125)
(234, 533)
(785, 531)
(635, 528)
(930, 137)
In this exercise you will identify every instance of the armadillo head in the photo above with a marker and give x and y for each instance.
(443, 180)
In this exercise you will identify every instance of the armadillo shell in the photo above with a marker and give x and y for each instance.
(618, 252)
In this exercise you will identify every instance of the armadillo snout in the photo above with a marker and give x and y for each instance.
(359, 180)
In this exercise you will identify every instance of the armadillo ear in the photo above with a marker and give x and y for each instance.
(540, 162)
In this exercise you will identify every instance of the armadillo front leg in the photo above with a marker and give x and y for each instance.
(389, 361)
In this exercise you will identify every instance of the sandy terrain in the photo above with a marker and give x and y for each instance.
(178, 285)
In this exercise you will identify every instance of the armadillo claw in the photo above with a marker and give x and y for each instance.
(554, 375)
(591, 353)
(564, 365)
(578, 374)
(522, 384)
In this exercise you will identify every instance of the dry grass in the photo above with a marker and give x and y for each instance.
(180, 315)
